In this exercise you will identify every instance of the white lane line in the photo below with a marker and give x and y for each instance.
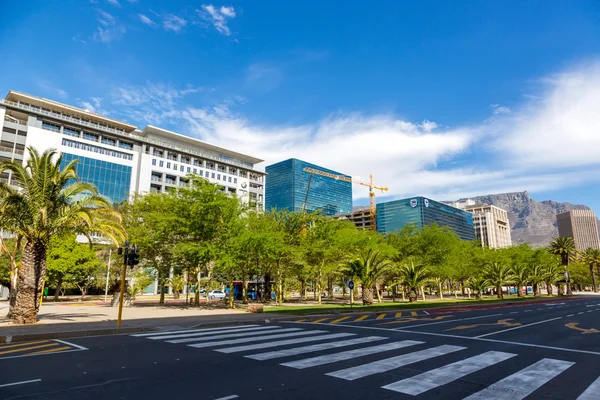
(518, 327)
(282, 343)
(591, 393)
(448, 373)
(579, 313)
(253, 339)
(570, 315)
(233, 396)
(449, 321)
(591, 305)
(521, 384)
(348, 355)
(514, 312)
(312, 348)
(233, 335)
(528, 310)
(223, 328)
(426, 313)
(590, 310)
(71, 344)
(230, 330)
(376, 367)
(20, 383)
(540, 309)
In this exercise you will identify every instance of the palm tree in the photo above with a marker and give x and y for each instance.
(565, 248)
(479, 285)
(498, 275)
(413, 276)
(536, 277)
(521, 277)
(367, 269)
(45, 202)
(591, 257)
(552, 275)
(177, 283)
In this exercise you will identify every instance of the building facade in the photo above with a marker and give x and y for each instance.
(119, 158)
(360, 217)
(582, 226)
(491, 225)
(392, 216)
(287, 188)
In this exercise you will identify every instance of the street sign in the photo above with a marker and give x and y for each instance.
(351, 285)
(345, 281)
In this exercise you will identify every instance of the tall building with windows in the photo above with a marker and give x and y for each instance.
(491, 225)
(288, 188)
(582, 226)
(119, 158)
(392, 216)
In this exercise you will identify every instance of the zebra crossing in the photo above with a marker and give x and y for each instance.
(272, 342)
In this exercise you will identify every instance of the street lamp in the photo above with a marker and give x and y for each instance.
(568, 280)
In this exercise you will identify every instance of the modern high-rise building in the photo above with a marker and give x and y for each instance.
(287, 186)
(491, 225)
(392, 216)
(582, 226)
(119, 158)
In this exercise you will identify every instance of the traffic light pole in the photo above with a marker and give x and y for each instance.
(123, 273)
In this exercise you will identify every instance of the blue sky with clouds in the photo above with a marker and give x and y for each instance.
(440, 98)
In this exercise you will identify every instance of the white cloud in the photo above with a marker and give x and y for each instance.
(109, 28)
(114, 3)
(93, 105)
(498, 109)
(218, 17)
(146, 20)
(174, 23)
(53, 89)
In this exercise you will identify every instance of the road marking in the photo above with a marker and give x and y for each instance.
(197, 334)
(570, 315)
(300, 320)
(411, 319)
(71, 344)
(54, 350)
(27, 348)
(20, 383)
(591, 393)
(413, 313)
(398, 314)
(590, 310)
(223, 328)
(252, 339)
(233, 396)
(518, 327)
(348, 355)
(528, 310)
(339, 320)
(446, 322)
(573, 325)
(361, 318)
(282, 343)
(232, 335)
(312, 348)
(540, 309)
(501, 322)
(381, 316)
(521, 384)
(376, 367)
(426, 313)
(9, 346)
(514, 312)
(448, 373)
(579, 313)
(320, 320)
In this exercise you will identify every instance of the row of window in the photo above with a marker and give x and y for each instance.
(189, 170)
(96, 149)
(201, 163)
(86, 135)
(157, 176)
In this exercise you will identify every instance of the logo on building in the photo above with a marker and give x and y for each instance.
(244, 185)
(413, 203)
(426, 202)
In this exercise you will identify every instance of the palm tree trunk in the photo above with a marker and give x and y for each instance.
(367, 295)
(499, 290)
(560, 290)
(520, 291)
(536, 288)
(440, 289)
(594, 282)
(30, 277)
(423, 292)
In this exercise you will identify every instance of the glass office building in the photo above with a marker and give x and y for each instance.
(287, 183)
(420, 211)
(112, 180)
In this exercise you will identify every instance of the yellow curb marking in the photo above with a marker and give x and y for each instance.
(398, 314)
(320, 320)
(361, 318)
(301, 320)
(381, 316)
(573, 325)
(339, 320)
(52, 350)
(413, 313)
(501, 322)
(401, 321)
(27, 348)
(8, 346)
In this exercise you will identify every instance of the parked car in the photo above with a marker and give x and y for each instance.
(216, 294)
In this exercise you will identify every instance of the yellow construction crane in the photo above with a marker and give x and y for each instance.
(370, 185)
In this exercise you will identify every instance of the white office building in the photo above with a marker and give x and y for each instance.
(491, 224)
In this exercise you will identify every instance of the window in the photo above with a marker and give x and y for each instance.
(213, 175)
(161, 163)
(229, 179)
(234, 180)
(182, 168)
(189, 170)
(169, 165)
(154, 161)
(218, 176)
(221, 168)
(172, 156)
(195, 171)
(157, 153)
(109, 141)
(125, 145)
(197, 163)
(156, 177)
(96, 149)
(50, 126)
(210, 165)
(70, 131)
(175, 167)
(90, 136)
(243, 174)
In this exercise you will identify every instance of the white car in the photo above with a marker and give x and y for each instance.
(216, 294)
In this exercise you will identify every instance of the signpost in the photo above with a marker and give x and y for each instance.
(351, 287)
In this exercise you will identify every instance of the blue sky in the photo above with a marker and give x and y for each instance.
(439, 98)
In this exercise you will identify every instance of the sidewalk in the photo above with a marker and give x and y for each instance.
(76, 320)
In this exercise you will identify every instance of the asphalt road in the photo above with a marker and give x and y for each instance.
(544, 351)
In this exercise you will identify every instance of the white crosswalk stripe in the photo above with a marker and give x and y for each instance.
(157, 333)
(348, 355)
(232, 335)
(312, 348)
(205, 333)
(376, 367)
(592, 392)
(521, 384)
(448, 373)
(281, 343)
(217, 343)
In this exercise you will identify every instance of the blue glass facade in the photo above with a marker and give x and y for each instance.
(112, 180)
(420, 211)
(286, 184)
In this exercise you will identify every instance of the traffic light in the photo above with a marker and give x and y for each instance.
(133, 258)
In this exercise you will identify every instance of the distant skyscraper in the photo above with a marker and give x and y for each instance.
(287, 183)
(491, 225)
(582, 226)
(392, 216)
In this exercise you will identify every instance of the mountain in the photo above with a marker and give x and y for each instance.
(530, 221)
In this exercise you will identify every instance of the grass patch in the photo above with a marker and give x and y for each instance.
(385, 306)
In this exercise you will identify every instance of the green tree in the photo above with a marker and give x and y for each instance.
(553, 274)
(48, 202)
(564, 247)
(10, 259)
(536, 277)
(520, 277)
(60, 261)
(591, 257)
(177, 283)
(498, 275)
(414, 277)
(141, 279)
(479, 285)
(367, 269)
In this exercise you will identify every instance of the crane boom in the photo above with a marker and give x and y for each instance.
(370, 185)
